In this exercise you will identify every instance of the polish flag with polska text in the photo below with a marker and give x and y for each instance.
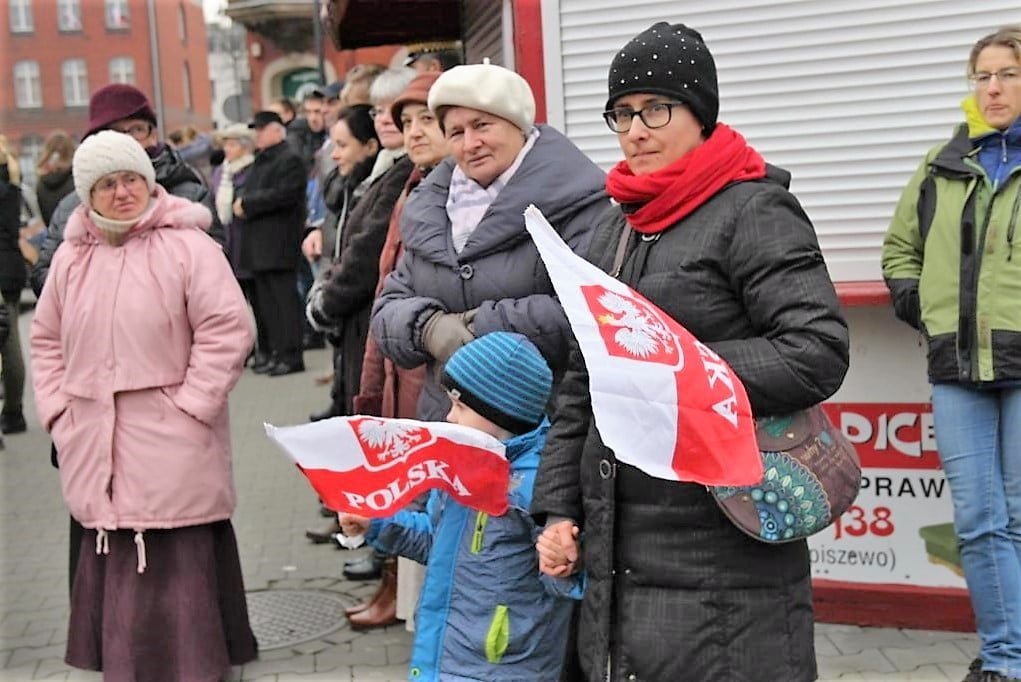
(373, 466)
(663, 401)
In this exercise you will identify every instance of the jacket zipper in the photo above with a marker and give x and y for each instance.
(481, 519)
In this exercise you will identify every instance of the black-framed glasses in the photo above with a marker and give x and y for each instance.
(655, 115)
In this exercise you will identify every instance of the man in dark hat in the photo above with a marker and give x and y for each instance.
(126, 109)
(436, 57)
(272, 210)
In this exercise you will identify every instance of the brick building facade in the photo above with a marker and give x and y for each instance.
(54, 53)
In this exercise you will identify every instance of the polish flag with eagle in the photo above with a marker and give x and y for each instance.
(663, 401)
(373, 466)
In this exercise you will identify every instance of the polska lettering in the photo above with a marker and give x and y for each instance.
(415, 477)
(718, 372)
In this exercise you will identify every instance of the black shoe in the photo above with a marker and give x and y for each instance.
(974, 671)
(330, 411)
(313, 341)
(12, 422)
(369, 568)
(282, 368)
(324, 534)
(326, 512)
(263, 365)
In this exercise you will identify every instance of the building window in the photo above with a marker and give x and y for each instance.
(122, 70)
(28, 92)
(117, 14)
(76, 83)
(69, 15)
(186, 83)
(182, 23)
(21, 16)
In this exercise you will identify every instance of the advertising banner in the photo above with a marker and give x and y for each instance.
(900, 529)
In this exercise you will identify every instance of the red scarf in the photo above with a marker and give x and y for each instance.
(667, 195)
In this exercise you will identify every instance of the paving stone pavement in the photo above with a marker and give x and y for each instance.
(274, 507)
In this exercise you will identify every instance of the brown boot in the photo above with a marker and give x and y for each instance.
(382, 608)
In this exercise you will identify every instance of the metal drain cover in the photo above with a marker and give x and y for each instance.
(283, 618)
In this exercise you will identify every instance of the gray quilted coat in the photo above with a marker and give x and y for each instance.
(499, 272)
(675, 591)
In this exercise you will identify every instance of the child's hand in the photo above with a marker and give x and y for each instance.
(559, 550)
(352, 524)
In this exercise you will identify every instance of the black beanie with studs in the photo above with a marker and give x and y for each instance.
(669, 60)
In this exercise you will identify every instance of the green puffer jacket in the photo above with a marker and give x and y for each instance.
(960, 284)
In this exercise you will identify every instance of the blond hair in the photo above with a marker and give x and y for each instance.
(1006, 36)
(11, 160)
(58, 150)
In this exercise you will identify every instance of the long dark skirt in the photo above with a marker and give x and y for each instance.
(184, 618)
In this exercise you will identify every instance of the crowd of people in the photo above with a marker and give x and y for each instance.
(384, 215)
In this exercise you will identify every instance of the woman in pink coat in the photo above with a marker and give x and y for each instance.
(138, 337)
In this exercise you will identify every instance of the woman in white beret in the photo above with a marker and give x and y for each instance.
(469, 267)
(138, 337)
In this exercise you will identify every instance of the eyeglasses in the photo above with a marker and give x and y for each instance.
(139, 131)
(655, 115)
(108, 184)
(1007, 77)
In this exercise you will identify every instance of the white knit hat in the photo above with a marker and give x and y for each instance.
(108, 152)
(486, 87)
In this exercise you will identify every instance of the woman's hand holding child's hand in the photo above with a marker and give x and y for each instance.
(559, 550)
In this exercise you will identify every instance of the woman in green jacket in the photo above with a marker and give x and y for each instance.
(948, 259)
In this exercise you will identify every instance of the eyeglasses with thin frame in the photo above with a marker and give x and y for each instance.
(139, 131)
(108, 184)
(655, 115)
(1007, 77)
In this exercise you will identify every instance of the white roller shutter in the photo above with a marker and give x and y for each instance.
(848, 96)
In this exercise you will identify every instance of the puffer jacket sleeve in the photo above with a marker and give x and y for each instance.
(200, 194)
(47, 350)
(221, 332)
(557, 490)
(800, 354)
(540, 317)
(407, 533)
(54, 237)
(398, 316)
(902, 252)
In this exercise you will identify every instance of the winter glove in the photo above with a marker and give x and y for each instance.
(314, 310)
(444, 333)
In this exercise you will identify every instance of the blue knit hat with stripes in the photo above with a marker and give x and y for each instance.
(503, 377)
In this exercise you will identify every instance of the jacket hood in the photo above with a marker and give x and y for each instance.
(530, 441)
(165, 212)
(541, 180)
(973, 118)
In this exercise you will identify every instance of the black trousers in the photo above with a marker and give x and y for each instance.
(261, 337)
(278, 311)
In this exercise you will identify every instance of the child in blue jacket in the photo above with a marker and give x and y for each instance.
(485, 611)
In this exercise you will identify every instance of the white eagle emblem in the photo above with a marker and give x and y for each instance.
(640, 333)
(389, 440)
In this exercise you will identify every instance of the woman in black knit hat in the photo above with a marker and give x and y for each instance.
(707, 231)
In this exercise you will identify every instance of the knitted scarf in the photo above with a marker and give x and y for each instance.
(225, 190)
(657, 200)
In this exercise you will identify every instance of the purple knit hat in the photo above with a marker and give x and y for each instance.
(116, 102)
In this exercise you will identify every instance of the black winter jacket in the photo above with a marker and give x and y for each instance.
(53, 187)
(274, 203)
(176, 176)
(675, 591)
(12, 265)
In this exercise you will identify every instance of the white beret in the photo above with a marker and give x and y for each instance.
(108, 152)
(486, 87)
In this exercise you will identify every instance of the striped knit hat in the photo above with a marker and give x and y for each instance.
(503, 377)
